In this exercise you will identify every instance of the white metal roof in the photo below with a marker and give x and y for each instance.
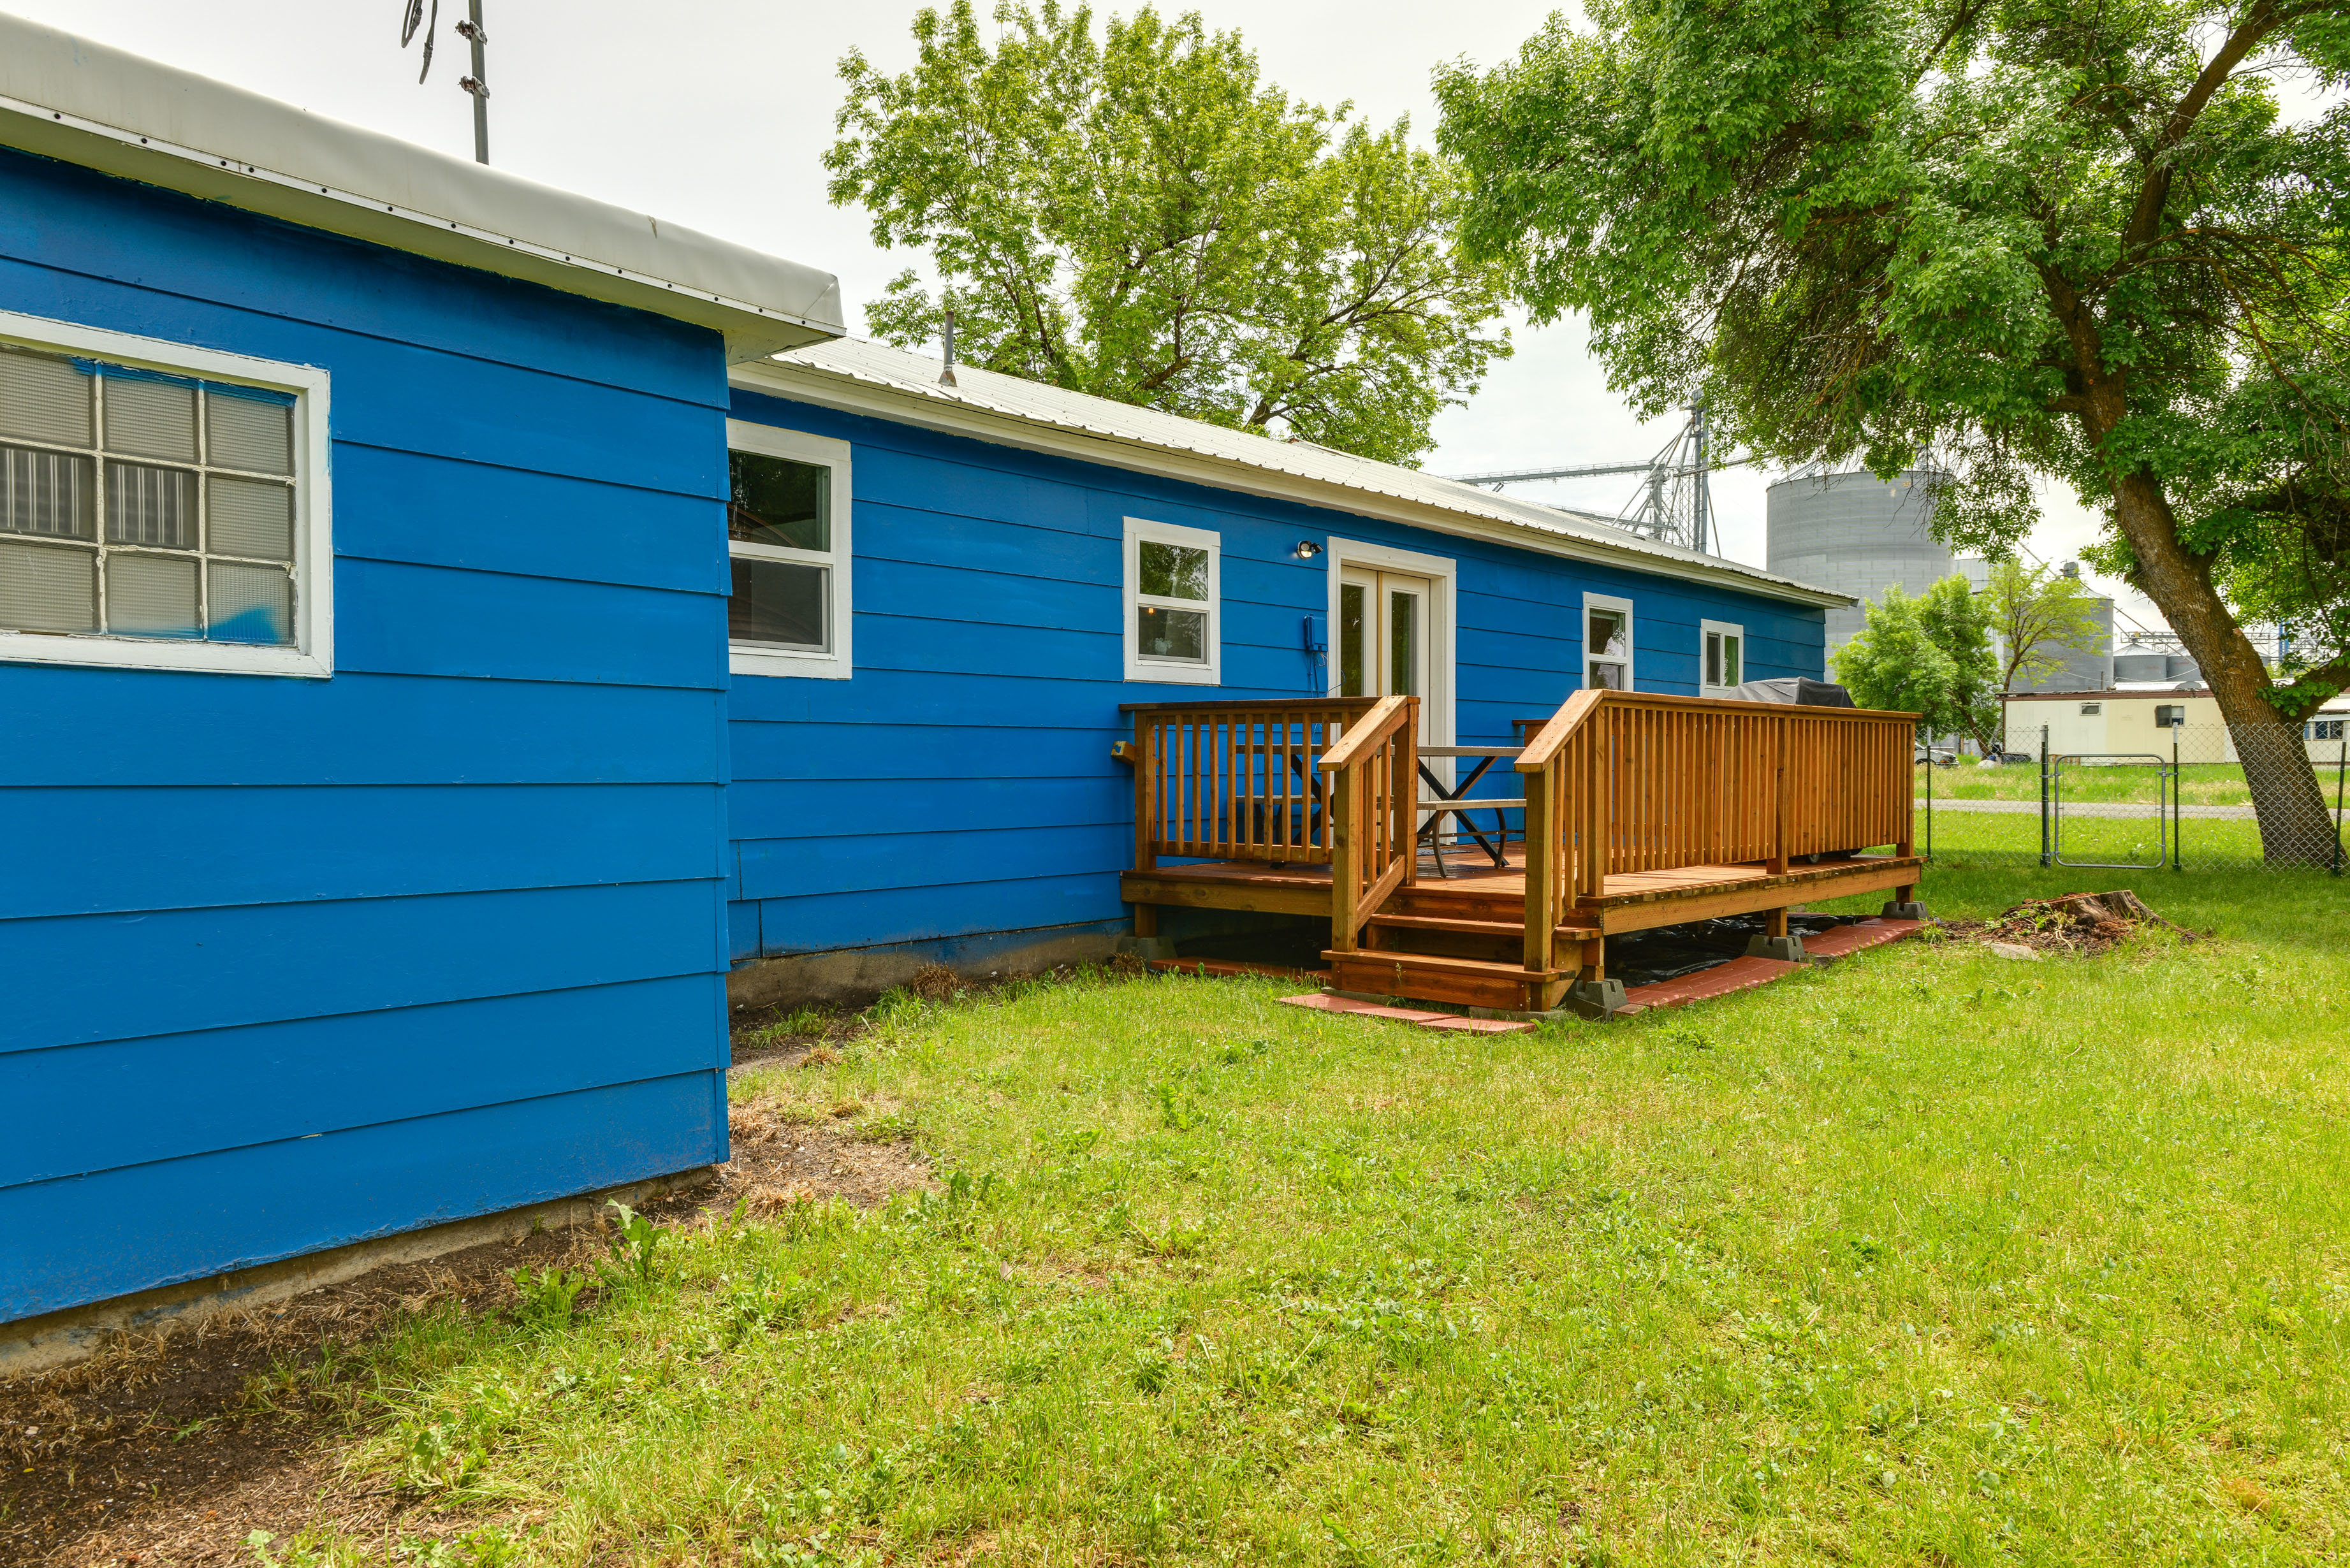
(67, 97)
(863, 376)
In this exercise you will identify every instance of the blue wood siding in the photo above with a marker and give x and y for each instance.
(290, 963)
(960, 781)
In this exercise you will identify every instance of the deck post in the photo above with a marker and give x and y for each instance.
(1774, 922)
(1591, 962)
(1346, 858)
(1541, 847)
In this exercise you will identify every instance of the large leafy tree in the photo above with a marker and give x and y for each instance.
(1136, 214)
(2030, 236)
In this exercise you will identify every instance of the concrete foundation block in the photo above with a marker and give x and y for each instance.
(1786, 950)
(1150, 949)
(1913, 910)
(1595, 998)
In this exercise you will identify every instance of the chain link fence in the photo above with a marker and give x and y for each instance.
(2216, 797)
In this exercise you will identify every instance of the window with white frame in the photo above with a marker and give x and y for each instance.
(160, 507)
(787, 546)
(1171, 603)
(1606, 642)
(2328, 729)
(1724, 657)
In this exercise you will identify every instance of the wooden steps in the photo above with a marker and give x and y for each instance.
(1458, 981)
(1506, 928)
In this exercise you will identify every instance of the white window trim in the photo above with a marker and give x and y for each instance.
(1706, 628)
(1162, 672)
(312, 656)
(1631, 642)
(837, 663)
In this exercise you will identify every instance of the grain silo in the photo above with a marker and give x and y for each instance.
(1854, 532)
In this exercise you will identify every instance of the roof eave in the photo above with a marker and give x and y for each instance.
(856, 395)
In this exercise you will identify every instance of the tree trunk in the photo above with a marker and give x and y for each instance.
(2297, 828)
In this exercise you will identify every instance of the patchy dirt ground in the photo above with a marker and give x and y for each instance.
(172, 1451)
(2075, 923)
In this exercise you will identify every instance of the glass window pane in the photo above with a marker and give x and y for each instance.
(153, 418)
(249, 604)
(1403, 645)
(1174, 571)
(249, 517)
(47, 587)
(1607, 634)
(1713, 658)
(1171, 634)
(49, 493)
(1606, 676)
(151, 506)
(1351, 600)
(1730, 661)
(248, 434)
(773, 500)
(152, 595)
(781, 603)
(44, 397)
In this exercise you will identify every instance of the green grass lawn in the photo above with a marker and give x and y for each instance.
(1927, 1257)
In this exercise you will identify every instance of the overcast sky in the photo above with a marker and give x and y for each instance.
(715, 114)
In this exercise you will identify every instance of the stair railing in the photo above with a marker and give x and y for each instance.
(1372, 774)
(1621, 782)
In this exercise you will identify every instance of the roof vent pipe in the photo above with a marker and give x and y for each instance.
(946, 377)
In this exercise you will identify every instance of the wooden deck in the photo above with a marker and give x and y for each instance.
(1640, 811)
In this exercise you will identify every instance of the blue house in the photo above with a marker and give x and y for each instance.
(929, 676)
(456, 638)
(362, 680)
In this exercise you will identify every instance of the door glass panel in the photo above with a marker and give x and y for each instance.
(1403, 644)
(777, 602)
(1173, 571)
(1352, 600)
(1170, 633)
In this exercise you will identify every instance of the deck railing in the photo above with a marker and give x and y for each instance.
(1634, 781)
(1237, 780)
(1375, 800)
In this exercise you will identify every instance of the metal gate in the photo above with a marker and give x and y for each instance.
(2091, 825)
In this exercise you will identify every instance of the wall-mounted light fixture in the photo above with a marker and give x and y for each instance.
(1307, 550)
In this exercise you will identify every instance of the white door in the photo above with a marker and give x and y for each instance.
(1386, 635)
